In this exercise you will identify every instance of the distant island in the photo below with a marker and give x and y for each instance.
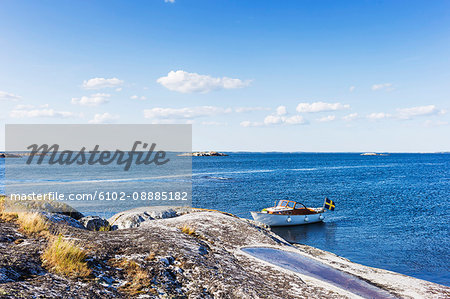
(19, 155)
(6, 155)
(203, 154)
(373, 154)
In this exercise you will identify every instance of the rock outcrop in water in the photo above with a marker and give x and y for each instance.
(203, 154)
(8, 155)
(193, 255)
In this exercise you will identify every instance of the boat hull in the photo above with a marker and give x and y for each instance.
(286, 220)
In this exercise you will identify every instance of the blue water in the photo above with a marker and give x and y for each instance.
(392, 212)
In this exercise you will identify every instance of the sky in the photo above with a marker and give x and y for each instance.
(315, 76)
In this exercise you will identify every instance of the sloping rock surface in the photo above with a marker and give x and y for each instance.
(134, 218)
(195, 255)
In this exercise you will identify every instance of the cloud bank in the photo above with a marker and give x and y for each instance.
(92, 100)
(103, 118)
(277, 118)
(100, 83)
(6, 96)
(185, 82)
(320, 107)
(408, 113)
(185, 113)
(30, 111)
(383, 86)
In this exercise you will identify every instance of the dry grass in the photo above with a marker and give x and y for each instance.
(32, 223)
(106, 228)
(189, 230)
(63, 257)
(151, 256)
(29, 223)
(138, 279)
(60, 256)
(6, 216)
(186, 229)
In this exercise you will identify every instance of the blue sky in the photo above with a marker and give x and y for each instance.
(249, 75)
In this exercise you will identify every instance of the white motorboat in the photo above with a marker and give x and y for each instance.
(289, 212)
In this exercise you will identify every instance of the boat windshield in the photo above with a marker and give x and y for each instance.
(290, 204)
(282, 203)
(286, 203)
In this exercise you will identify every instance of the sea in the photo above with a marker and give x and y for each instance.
(392, 211)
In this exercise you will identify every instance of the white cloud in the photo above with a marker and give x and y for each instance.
(29, 111)
(6, 96)
(383, 86)
(408, 113)
(378, 115)
(294, 120)
(320, 107)
(327, 118)
(25, 107)
(99, 83)
(430, 123)
(247, 123)
(169, 1)
(273, 120)
(185, 113)
(280, 116)
(103, 118)
(213, 123)
(135, 97)
(92, 100)
(185, 82)
(351, 88)
(350, 117)
(172, 121)
(250, 109)
(119, 89)
(281, 110)
(277, 119)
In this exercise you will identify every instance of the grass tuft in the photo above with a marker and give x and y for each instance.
(8, 217)
(32, 223)
(63, 257)
(139, 281)
(186, 229)
(151, 256)
(189, 230)
(29, 223)
(106, 228)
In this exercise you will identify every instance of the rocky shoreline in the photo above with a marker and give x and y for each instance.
(159, 252)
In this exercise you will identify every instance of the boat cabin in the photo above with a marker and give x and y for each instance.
(290, 207)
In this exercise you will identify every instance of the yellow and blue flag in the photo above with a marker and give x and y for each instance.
(329, 204)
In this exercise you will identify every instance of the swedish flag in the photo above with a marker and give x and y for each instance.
(329, 204)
